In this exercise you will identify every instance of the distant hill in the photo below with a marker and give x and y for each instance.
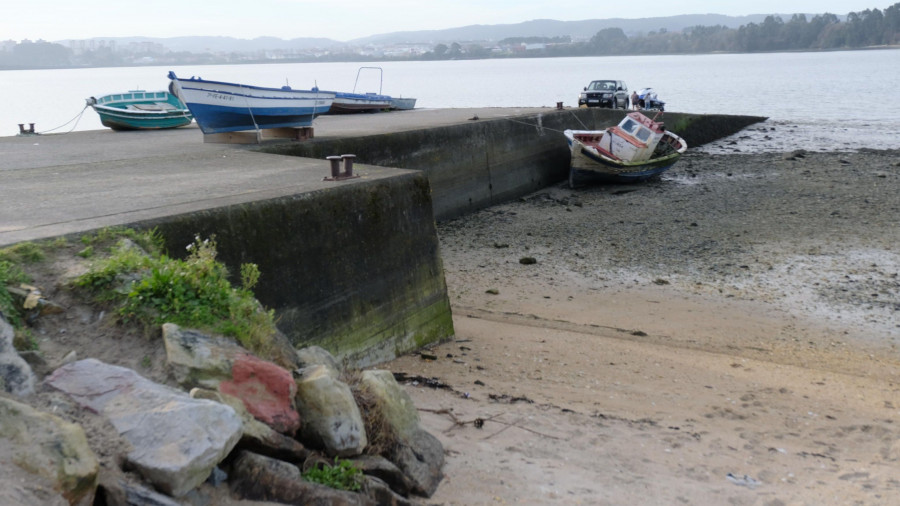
(578, 30)
(199, 44)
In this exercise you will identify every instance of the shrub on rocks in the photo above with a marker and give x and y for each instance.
(150, 288)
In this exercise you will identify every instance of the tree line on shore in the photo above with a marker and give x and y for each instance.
(871, 27)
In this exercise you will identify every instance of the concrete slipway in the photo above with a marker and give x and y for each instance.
(350, 265)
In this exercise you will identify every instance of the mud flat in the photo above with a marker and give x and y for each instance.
(725, 335)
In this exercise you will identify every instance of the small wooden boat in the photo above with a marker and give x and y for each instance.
(402, 104)
(141, 110)
(231, 107)
(351, 102)
(346, 103)
(368, 102)
(636, 149)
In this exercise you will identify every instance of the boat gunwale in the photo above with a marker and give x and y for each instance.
(288, 89)
(172, 113)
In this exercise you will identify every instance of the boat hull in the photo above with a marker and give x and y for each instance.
(590, 165)
(402, 104)
(349, 103)
(120, 121)
(141, 110)
(229, 107)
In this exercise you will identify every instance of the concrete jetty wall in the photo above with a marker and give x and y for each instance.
(480, 163)
(351, 266)
(354, 269)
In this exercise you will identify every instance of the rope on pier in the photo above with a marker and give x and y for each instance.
(76, 119)
(540, 124)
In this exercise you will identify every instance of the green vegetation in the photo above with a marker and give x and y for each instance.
(144, 286)
(342, 475)
(24, 340)
(149, 288)
(11, 274)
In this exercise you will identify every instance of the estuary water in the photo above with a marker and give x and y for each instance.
(820, 101)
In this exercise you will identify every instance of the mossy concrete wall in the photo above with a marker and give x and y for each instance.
(354, 268)
(484, 162)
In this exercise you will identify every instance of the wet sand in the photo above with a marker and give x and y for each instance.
(725, 335)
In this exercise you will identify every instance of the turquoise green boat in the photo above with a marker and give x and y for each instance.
(141, 110)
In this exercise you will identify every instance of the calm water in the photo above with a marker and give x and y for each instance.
(821, 101)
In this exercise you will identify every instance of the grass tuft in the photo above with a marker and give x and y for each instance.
(343, 475)
(149, 288)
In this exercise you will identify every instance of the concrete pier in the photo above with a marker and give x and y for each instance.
(351, 264)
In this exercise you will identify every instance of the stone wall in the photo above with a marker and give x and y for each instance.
(354, 269)
(480, 163)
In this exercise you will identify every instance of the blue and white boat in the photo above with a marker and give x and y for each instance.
(402, 104)
(230, 107)
(140, 110)
(350, 102)
(345, 103)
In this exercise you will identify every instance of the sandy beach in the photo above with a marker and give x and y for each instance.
(725, 335)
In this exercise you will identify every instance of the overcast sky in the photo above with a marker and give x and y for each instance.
(344, 20)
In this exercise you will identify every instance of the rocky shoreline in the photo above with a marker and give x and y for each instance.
(102, 415)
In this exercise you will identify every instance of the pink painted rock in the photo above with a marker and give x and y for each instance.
(267, 391)
(216, 363)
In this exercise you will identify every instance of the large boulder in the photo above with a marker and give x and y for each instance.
(418, 454)
(386, 471)
(266, 389)
(257, 437)
(45, 459)
(177, 440)
(421, 459)
(16, 376)
(309, 356)
(264, 479)
(120, 492)
(331, 418)
(393, 402)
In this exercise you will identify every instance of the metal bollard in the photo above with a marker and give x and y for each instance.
(31, 130)
(21, 128)
(335, 165)
(348, 165)
(559, 105)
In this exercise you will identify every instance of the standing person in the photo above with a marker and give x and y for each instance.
(650, 99)
(634, 100)
(646, 96)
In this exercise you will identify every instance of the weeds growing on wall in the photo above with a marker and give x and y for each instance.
(147, 287)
